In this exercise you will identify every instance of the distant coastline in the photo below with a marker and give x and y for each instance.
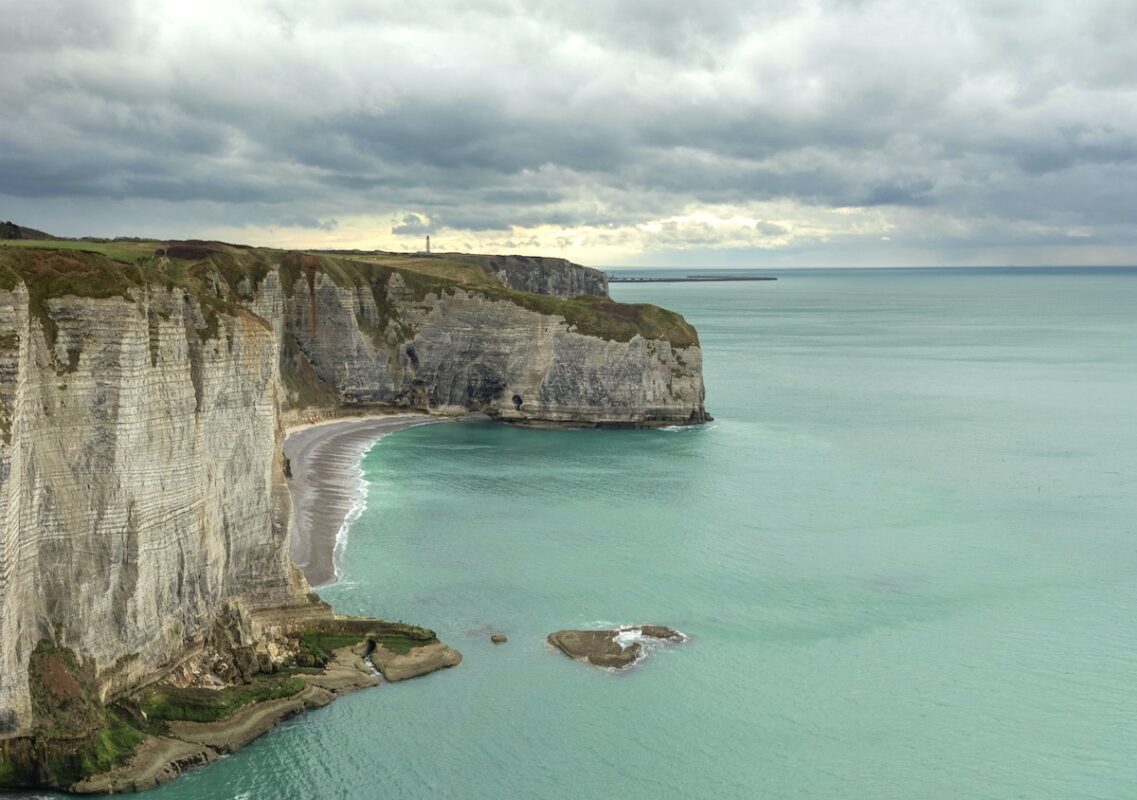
(691, 279)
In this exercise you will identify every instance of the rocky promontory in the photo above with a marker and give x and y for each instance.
(397, 662)
(617, 648)
(185, 726)
(146, 514)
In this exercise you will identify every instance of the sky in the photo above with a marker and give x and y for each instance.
(614, 133)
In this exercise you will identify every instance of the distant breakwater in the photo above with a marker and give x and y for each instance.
(692, 279)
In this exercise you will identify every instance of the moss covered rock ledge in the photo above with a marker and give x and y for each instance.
(192, 716)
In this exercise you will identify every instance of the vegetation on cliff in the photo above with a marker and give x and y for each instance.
(218, 277)
(221, 276)
(10, 230)
(76, 736)
(399, 304)
(589, 314)
(168, 702)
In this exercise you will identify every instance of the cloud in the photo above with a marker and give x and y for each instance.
(831, 128)
(412, 225)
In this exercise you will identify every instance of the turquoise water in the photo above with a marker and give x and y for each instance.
(905, 552)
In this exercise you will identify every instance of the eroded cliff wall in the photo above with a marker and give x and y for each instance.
(555, 277)
(141, 483)
(454, 348)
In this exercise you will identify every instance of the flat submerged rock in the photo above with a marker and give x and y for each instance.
(616, 648)
(396, 666)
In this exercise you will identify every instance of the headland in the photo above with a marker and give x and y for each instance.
(148, 494)
(689, 279)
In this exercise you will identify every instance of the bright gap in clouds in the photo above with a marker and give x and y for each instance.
(610, 133)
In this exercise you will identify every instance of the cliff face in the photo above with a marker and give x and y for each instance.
(451, 349)
(142, 492)
(141, 483)
(555, 277)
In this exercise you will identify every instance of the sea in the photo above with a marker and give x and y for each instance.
(905, 555)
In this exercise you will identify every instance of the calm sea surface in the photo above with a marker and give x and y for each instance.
(905, 552)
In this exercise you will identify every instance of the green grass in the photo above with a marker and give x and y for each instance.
(401, 644)
(75, 735)
(222, 277)
(13, 773)
(607, 319)
(590, 315)
(66, 762)
(320, 646)
(113, 744)
(125, 252)
(168, 702)
(55, 273)
(448, 270)
(220, 280)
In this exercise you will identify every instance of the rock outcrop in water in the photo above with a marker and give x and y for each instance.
(618, 648)
(398, 665)
(145, 512)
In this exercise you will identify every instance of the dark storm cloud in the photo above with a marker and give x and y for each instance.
(956, 118)
(1065, 148)
(897, 193)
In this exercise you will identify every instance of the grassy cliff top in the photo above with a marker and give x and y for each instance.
(219, 277)
(108, 269)
(591, 315)
(222, 276)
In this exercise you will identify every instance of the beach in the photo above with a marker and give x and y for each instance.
(327, 491)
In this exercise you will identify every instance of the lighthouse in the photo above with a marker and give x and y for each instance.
(428, 243)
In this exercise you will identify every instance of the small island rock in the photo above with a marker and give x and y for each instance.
(618, 648)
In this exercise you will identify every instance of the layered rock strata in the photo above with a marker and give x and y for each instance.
(452, 348)
(141, 482)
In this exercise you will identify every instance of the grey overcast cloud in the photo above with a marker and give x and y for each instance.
(626, 132)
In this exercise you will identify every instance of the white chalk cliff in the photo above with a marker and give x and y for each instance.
(142, 492)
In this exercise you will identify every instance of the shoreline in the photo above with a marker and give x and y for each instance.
(321, 455)
(187, 744)
(327, 486)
